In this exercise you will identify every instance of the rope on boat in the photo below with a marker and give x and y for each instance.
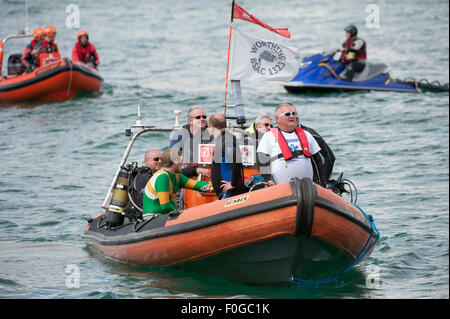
(70, 80)
(360, 255)
(424, 84)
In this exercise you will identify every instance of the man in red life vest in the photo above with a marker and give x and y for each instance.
(49, 44)
(290, 150)
(84, 51)
(353, 53)
(48, 51)
(30, 54)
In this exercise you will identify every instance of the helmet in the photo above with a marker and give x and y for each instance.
(49, 30)
(352, 30)
(81, 33)
(37, 33)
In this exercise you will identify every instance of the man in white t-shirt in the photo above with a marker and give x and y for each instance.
(278, 160)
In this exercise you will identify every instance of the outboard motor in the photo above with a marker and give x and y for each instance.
(115, 215)
(15, 66)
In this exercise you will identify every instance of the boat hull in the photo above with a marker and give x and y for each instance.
(274, 261)
(342, 86)
(57, 81)
(284, 231)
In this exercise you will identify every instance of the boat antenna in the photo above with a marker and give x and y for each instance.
(138, 121)
(26, 17)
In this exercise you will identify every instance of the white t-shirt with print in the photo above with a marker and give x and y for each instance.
(282, 171)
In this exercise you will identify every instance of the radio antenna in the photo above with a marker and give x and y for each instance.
(26, 17)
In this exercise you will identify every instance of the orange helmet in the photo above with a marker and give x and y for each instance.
(81, 33)
(37, 33)
(49, 30)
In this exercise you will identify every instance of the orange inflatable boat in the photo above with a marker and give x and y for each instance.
(271, 235)
(266, 236)
(57, 80)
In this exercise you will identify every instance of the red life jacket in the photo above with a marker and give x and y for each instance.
(84, 53)
(27, 58)
(49, 47)
(287, 154)
(32, 44)
(359, 54)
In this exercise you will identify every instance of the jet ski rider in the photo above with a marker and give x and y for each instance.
(353, 53)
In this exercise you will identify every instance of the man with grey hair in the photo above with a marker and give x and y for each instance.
(189, 137)
(263, 124)
(290, 150)
(253, 134)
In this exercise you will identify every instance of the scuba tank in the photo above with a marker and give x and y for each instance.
(115, 215)
(138, 178)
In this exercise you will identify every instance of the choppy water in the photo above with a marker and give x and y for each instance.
(58, 159)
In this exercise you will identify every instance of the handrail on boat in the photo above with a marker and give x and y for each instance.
(3, 42)
(134, 135)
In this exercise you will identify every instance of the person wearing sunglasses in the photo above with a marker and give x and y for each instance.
(289, 150)
(263, 124)
(252, 135)
(161, 190)
(152, 163)
(189, 137)
(152, 160)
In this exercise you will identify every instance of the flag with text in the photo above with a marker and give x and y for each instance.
(256, 59)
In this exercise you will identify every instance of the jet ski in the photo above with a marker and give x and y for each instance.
(325, 73)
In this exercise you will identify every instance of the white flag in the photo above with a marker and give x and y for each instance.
(253, 58)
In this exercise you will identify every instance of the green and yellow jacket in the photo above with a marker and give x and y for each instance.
(159, 193)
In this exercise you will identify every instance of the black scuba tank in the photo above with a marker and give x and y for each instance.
(115, 215)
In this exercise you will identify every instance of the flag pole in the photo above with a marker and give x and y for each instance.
(228, 58)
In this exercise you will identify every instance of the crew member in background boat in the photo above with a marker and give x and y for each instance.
(161, 189)
(353, 53)
(84, 51)
(227, 175)
(49, 50)
(30, 54)
(289, 150)
(152, 163)
(188, 139)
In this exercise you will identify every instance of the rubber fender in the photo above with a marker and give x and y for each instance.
(306, 193)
